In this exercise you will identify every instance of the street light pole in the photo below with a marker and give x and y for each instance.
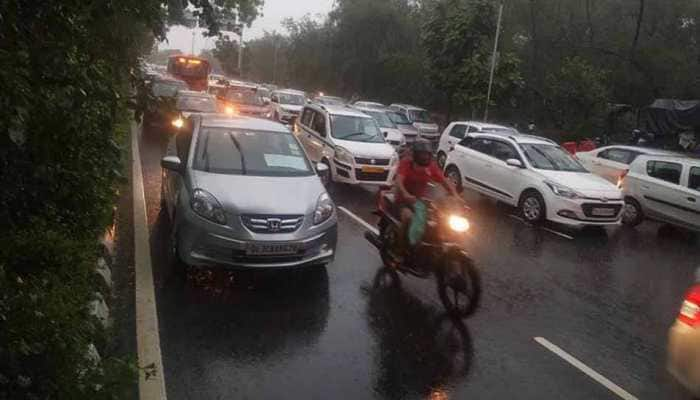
(493, 62)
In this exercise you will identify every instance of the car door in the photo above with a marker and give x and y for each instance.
(453, 134)
(317, 135)
(503, 178)
(611, 163)
(303, 129)
(662, 192)
(473, 162)
(691, 196)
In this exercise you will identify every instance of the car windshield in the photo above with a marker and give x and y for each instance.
(550, 157)
(399, 118)
(244, 152)
(420, 116)
(196, 104)
(382, 119)
(357, 129)
(498, 130)
(246, 97)
(168, 88)
(291, 99)
(331, 101)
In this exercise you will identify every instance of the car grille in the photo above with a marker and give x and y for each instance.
(588, 209)
(371, 176)
(368, 161)
(272, 223)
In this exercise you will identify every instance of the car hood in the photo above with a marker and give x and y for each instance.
(584, 182)
(249, 108)
(367, 150)
(407, 129)
(392, 134)
(247, 194)
(291, 108)
(426, 127)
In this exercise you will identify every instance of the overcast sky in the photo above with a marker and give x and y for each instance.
(274, 11)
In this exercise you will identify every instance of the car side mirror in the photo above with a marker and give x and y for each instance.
(452, 148)
(171, 163)
(322, 170)
(514, 162)
(385, 134)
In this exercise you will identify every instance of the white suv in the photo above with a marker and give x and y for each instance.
(666, 189)
(537, 176)
(456, 131)
(349, 142)
(421, 120)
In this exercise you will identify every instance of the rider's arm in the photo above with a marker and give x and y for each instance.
(440, 178)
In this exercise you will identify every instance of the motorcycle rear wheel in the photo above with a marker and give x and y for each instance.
(459, 285)
(388, 237)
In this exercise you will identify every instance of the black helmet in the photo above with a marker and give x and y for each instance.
(422, 152)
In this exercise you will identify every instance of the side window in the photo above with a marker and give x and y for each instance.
(458, 131)
(617, 155)
(306, 117)
(319, 124)
(503, 151)
(666, 171)
(471, 129)
(466, 142)
(694, 179)
(481, 145)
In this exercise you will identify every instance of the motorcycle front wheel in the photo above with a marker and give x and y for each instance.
(459, 285)
(389, 236)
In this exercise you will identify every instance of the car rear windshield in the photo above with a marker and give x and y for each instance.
(246, 97)
(196, 104)
(168, 88)
(382, 119)
(291, 99)
(245, 152)
(357, 129)
(550, 157)
(420, 116)
(398, 118)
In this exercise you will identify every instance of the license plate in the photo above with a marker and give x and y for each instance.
(261, 249)
(372, 170)
(603, 212)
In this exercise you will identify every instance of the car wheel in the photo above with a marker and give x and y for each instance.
(632, 214)
(453, 175)
(441, 158)
(532, 207)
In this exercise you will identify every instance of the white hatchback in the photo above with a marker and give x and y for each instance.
(457, 130)
(349, 142)
(537, 176)
(665, 189)
(613, 162)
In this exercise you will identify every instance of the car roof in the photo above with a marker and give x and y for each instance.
(192, 93)
(216, 120)
(484, 125)
(408, 106)
(644, 150)
(371, 109)
(290, 91)
(517, 138)
(340, 110)
(679, 158)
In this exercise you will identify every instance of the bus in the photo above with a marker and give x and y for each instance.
(193, 70)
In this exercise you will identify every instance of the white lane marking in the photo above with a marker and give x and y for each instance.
(151, 379)
(620, 392)
(359, 220)
(564, 235)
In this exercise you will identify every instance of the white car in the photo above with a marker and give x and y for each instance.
(666, 189)
(368, 104)
(286, 105)
(456, 131)
(683, 360)
(613, 162)
(421, 120)
(391, 132)
(537, 176)
(349, 142)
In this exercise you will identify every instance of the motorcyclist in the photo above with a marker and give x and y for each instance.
(415, 172)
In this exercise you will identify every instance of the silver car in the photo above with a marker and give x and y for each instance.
(241, 192)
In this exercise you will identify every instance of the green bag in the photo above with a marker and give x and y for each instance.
(420, 218)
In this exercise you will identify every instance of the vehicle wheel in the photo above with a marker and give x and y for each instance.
(389, 237)
(632, 214)
(532, 207)
(441, 158)
(453, 175)
(178, 267)
(459, 285)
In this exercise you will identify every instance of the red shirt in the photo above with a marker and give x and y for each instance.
(416, 178)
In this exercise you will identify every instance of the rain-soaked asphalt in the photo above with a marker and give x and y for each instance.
(605, 297)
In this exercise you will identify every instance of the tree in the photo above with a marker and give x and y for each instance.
(226, 51)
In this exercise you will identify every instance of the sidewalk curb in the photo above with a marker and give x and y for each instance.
(151, 380)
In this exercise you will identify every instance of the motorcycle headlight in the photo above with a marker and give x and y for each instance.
(563, 191)
(178, 122)
(458, 223)
(324, 208)
(343, 155)
(206, 206)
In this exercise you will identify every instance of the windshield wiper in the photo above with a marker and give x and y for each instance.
(353, 135)
(238, 146)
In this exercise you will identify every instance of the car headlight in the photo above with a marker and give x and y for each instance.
(206, 206)
(458, 223)
(563, 191)
(178, 122)
(343, 155)
(324, 208)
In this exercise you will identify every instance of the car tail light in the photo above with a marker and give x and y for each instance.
(690, 309)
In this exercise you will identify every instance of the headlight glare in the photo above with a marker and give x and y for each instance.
(458, 223)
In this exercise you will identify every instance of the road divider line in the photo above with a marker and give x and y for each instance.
(150, 360)
(564, 235)
(620, 392)
(359, 220)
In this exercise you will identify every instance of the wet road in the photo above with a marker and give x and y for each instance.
(605, 297)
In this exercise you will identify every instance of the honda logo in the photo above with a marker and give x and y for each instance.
(273, 224)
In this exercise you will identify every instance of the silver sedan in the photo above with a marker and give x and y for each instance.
(241, 192)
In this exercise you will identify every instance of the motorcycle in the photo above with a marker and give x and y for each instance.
(437, 253)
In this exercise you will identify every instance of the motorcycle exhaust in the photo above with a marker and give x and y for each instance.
(373, 238)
